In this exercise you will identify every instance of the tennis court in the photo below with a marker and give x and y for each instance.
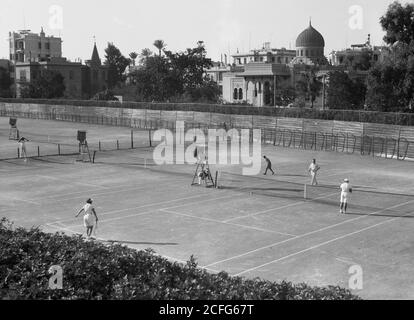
(260, 226)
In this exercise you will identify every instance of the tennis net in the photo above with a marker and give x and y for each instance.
(364, 199)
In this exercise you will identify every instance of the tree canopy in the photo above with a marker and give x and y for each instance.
(47, 85)
(398, 23)
(5, 83)
(391, 83)
(116, 63)
(175, 76)
(344, 92)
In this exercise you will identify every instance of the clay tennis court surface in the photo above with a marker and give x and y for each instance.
(253, 227)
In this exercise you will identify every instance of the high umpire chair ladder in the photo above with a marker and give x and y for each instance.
(202, 165)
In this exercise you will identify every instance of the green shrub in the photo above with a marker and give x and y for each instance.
(92, 270)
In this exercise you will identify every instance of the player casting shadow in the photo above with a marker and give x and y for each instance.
(144, 243)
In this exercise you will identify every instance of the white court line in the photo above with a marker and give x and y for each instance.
(321, 244)
(154, 204)
(222, 222)
(146, 212)
(56, 197)
(70, 182)
(22, 200)
(307, 234)
(133, 208)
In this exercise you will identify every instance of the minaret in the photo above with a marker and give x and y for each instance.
(42, 33)
(95, 60)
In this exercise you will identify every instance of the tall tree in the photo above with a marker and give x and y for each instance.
(391, 83)
(5, 83)
(145, 53)
(190, 65)
(133, 56)
(308, 86)
(176, 76)
(344, 92)
(360, 62)
(116, 63)
(398, 22)
(47, 85)
(160, 45)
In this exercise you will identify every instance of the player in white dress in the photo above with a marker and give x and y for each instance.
(346, 189)
(90, 217)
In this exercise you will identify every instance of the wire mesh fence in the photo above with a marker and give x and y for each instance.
(376, 146)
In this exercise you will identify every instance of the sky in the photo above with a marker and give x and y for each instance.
(225, 26)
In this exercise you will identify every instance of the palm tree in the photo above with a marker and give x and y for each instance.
(159, 44)
(133, 56)
(145, 53)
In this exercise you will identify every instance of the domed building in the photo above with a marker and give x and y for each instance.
(264, 77)
(310, 47)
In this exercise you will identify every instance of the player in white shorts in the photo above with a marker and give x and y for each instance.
(89, 217)
(313, 170)
(345, 191)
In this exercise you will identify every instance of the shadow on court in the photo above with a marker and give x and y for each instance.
(143, 243)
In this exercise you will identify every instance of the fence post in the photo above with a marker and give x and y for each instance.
(59, 149)
(117, 144)
(38, 151)
(100, 146)
(132, 139)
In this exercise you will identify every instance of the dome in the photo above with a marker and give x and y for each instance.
(310, 37)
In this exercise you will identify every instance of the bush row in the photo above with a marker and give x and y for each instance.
(405, 119)
(92, 270)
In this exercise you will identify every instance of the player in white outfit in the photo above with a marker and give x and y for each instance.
(313, 170)
(345, 191)
(89, 217)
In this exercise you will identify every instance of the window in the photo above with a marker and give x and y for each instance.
(235, 94)
(40, 45)
(286, 60)
(11, 56)
(273, 59)
(23, 75)
(279, 60)
(261, 59)
(47, 46)
(220, 76)
(301, 53)
(245, 60)
(240, 94)
(307, 53)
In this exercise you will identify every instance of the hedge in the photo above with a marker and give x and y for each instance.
(93, 270)
(404, 119)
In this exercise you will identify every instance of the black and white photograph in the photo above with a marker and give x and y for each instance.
(212, 154)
